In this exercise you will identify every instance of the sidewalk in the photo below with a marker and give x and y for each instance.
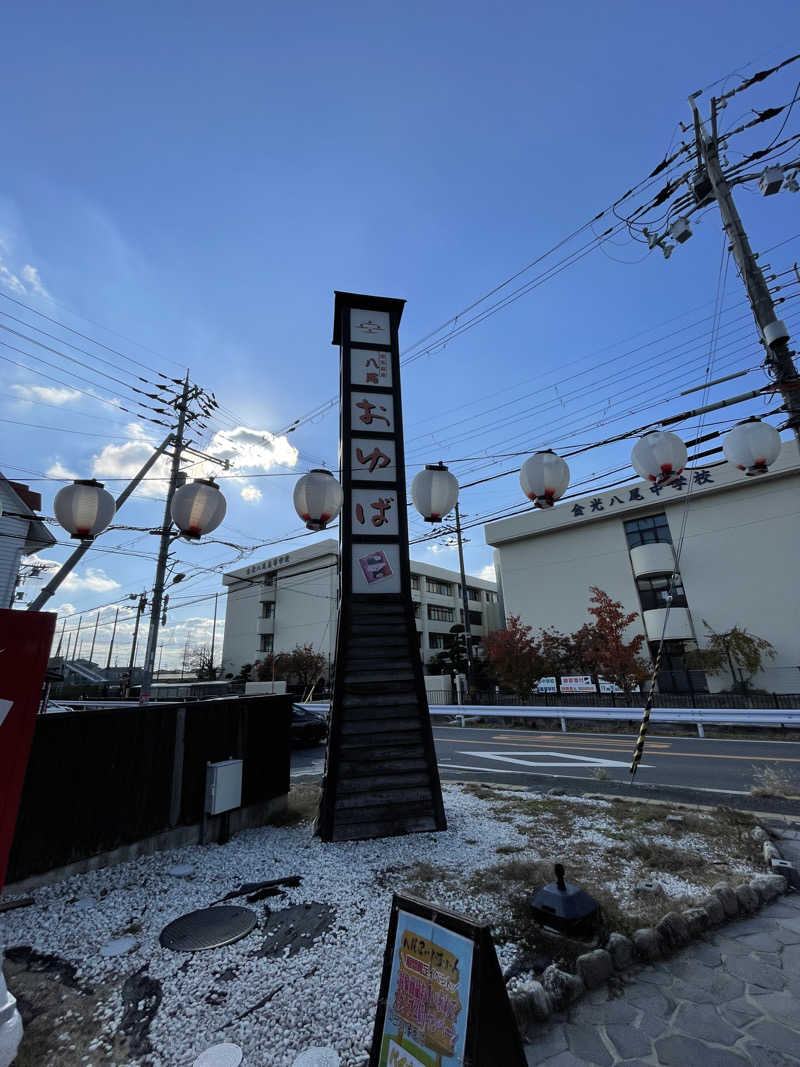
(730, 1000)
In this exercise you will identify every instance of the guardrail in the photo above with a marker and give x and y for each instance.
(698, 717)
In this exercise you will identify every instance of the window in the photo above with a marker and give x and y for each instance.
(653, 593)
(490, 597)
(270, 578)
(415, 582)
(438, 640)
(267, 609)
(438, 614)
(265, 644)
(440, 588)
(647, 531)
(475, 617)
(417, 606)
(472, 592)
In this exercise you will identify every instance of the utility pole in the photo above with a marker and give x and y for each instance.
(111, 646)
(213, 637)
(77, 635)
(464, 600)
(773, 331)
(94, 637)
(163, 550)
(139, 612)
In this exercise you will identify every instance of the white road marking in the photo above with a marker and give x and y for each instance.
(556, 759)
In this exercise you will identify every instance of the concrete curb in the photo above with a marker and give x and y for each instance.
(534, 1000)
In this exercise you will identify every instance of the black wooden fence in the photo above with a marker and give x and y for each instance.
(100, 779)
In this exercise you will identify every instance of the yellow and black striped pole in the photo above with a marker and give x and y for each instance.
(637, 755)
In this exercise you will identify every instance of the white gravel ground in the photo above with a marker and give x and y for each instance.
(324, 995)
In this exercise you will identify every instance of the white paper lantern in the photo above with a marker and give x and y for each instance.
(84, 509)
(318, 498)
(198, 508)
(752, 445)
(659, 456)
(434, 492)
(544, 478)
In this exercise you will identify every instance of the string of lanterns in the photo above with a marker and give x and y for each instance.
(86, 508)
(659, 456)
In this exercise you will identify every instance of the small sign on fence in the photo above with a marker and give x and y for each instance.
(443, 1002)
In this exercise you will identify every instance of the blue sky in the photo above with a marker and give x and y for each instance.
(188, 184)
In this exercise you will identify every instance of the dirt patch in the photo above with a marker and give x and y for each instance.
(60, 1014)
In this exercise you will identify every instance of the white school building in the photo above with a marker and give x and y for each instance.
(291, 599)
(738, 565)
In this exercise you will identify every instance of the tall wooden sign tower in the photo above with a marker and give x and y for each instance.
(381, 776)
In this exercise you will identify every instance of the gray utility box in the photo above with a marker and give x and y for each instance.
(223, 786)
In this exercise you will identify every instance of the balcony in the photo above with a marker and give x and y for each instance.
(656, 558)
(265, 626)
(679, 623)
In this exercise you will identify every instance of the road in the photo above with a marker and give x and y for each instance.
(671, 765)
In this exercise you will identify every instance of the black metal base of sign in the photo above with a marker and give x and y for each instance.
(442, 993)
(381, 776)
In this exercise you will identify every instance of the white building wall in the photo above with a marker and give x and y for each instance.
(304, 599)
(737, 565)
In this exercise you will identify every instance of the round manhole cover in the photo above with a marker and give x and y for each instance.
(207, 928)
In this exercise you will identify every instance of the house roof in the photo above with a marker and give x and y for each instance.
(38, 536)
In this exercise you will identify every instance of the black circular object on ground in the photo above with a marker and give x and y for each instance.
(208, 928)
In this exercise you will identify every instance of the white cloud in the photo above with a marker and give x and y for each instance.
(58, 470)
(34, 282)
(437, 549)
(9, 280)
(93, 579)
(246, 449)
(488, 573)
(47, 393)
(124, 461)
(22, 282)
(251, 494)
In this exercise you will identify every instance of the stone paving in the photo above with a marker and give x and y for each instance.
(730, 999)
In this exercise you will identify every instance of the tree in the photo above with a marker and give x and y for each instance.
(730, 650)
(515, 656)
(453, 658)
(199, 660)
(557, 654)
(271, 667)
(244, 672)
(305, 665)
(613, 657)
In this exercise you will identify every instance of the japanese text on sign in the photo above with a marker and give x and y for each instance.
(638, 494)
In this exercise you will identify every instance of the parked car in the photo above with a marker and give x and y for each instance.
(308, 728)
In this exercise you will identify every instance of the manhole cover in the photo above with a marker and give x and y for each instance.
(208, 928)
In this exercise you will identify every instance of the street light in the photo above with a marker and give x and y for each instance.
(752, 445)
(434, 492)
(318, 498)
(84, 508)
(659, 456)
(544, 478)
(198, 508)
